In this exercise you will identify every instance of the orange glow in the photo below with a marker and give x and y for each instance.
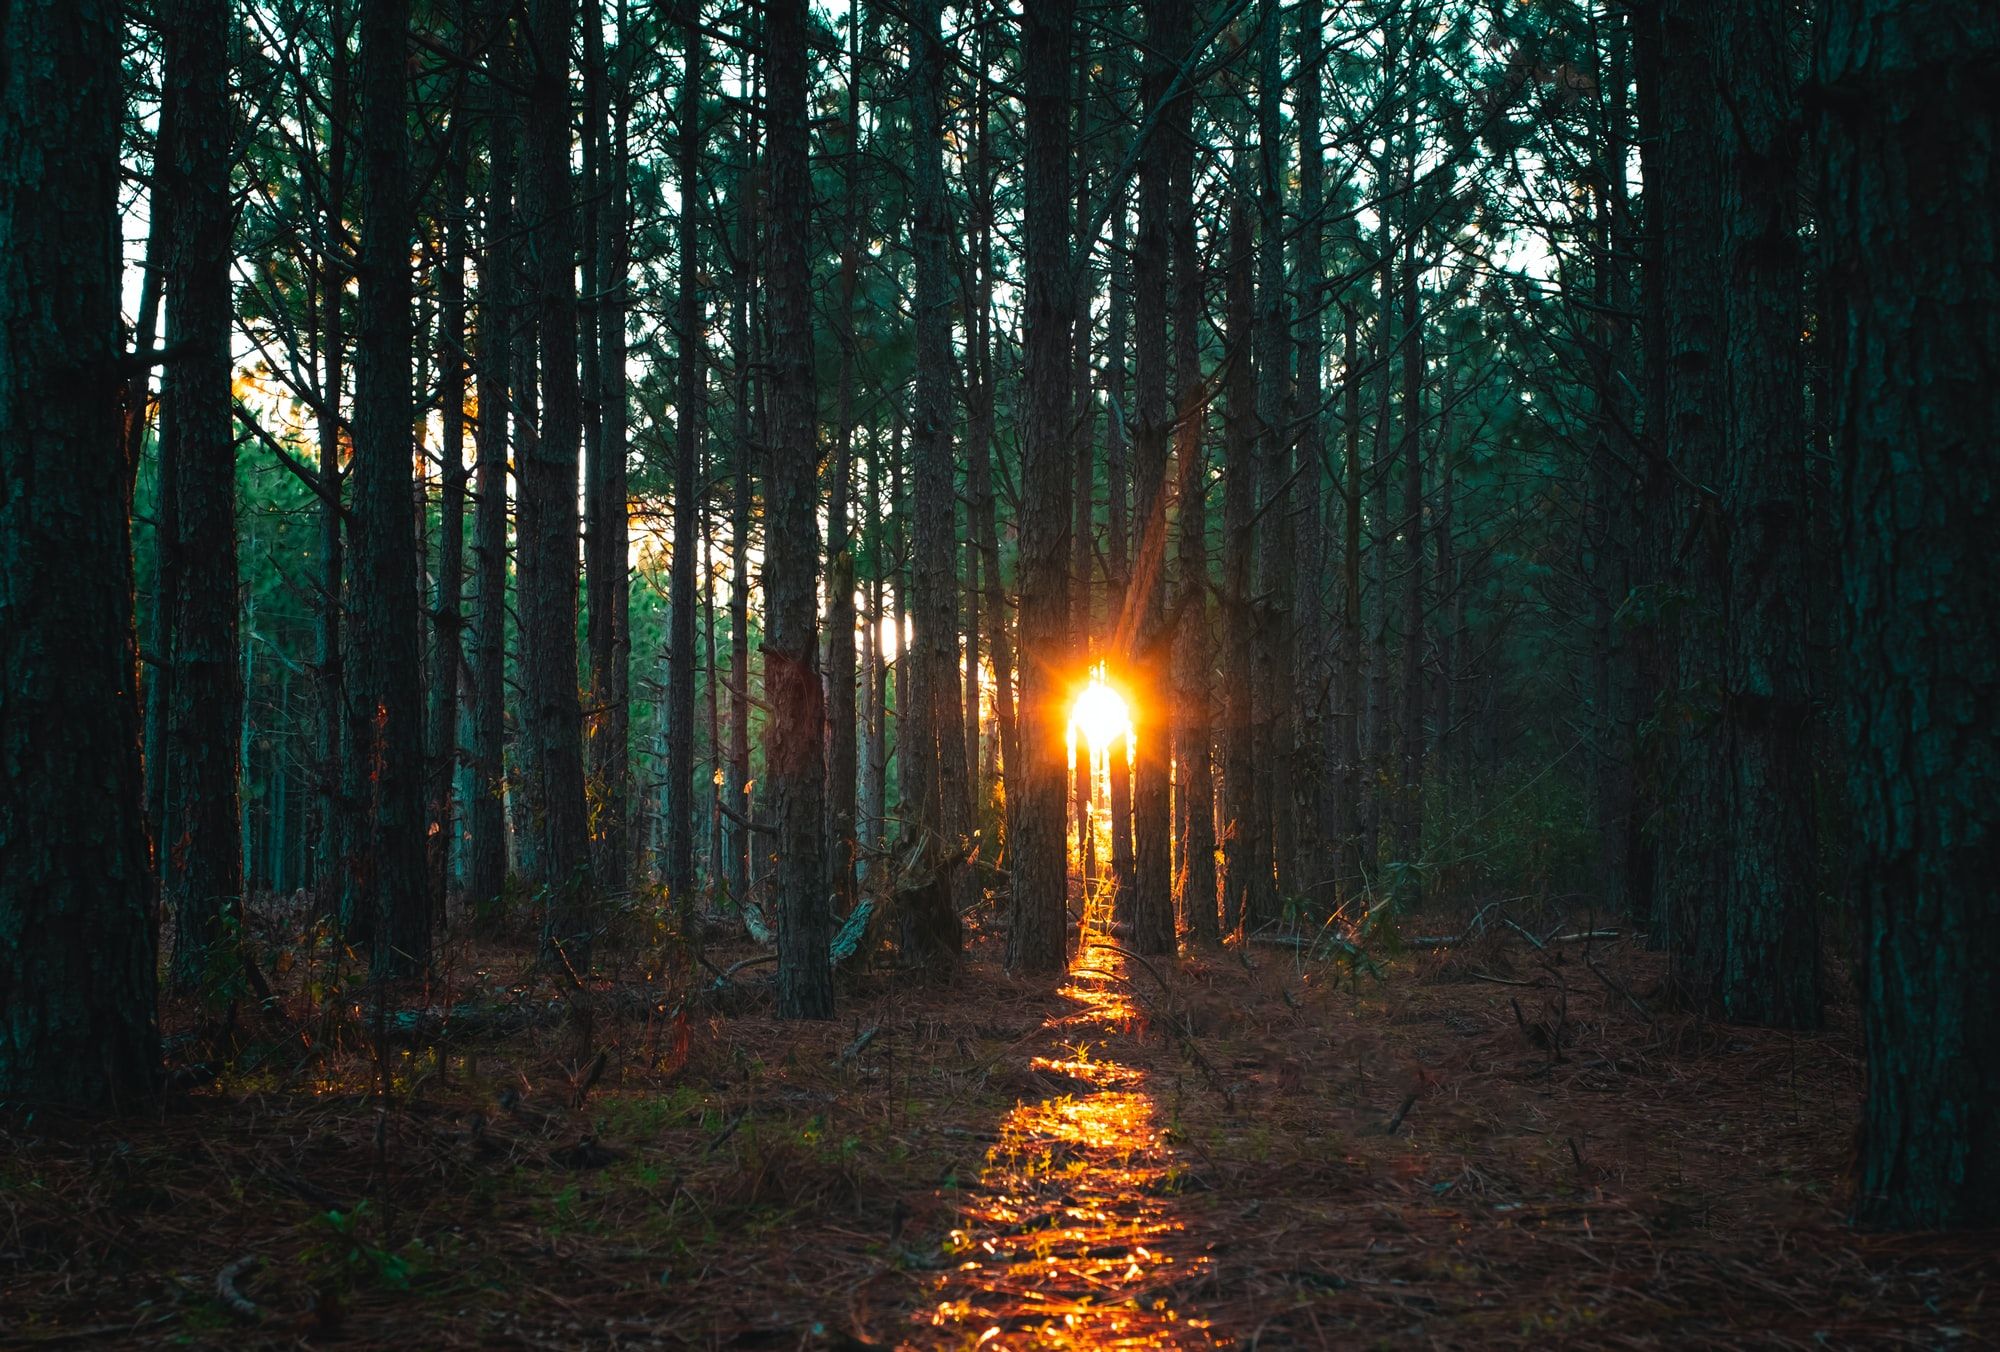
(1099, 714)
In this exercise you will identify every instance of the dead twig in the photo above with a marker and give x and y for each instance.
(232, 1299)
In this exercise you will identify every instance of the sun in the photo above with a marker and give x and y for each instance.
(1099, 714)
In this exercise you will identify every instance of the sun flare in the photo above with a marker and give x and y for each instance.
(1099, 714)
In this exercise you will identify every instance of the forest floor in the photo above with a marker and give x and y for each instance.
(1497, 1142)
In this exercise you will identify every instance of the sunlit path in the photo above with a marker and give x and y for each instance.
(1073, 1237)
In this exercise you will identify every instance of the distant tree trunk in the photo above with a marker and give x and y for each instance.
(1909, 132)
(552, 720)
(1375, 741)
(77, 983)
(794, 755)
(1694, 863)
(386, 737)
(1410, 776)
(334, 843)
(842, 744)
(736, 786)
(1117, 532)
(930, 928)
(690, 407)
(1353, 670)
(1142, 630)
(607, 534)
(979, 449)
(486, 820)
(1194, 778)
(1036, 942)
(1312, 622)
(202, 860)
(447, 619)
(1244, 850)
(874, 803)
(1272, 692)
(1771, 911)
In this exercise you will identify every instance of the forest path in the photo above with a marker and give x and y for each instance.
(1072, 1237)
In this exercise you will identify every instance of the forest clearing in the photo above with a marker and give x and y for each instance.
(999, 673)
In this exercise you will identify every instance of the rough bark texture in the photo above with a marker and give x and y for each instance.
(1910, 133)
(1194, 779)
(690, 408)
(794, 752)
(930, 926)
(1693, 860)
(1243, 848)
(607, 536)
(447, 613)
(486, 824)
(1036, 793)
(552, 714)
(1771, 907)
(1142, 627)
(201, 859)
(76, 895)
(387, 705)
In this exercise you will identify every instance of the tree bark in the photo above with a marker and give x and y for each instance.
(794, 754)
(386, 727)
(202, 859)
(689, 410)
(77, 1024)
(1035, 791)
(930, 927)
(1909, 132)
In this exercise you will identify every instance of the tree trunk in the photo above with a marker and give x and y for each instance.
(795, 761)
(1142, 629)
(486, 821)
(386, 728)
(1909, 131)
(930, 927)
(202, 860)
(77, 977)
(552, 716)
(1194, 779)
(447, 619)
(1242, 848)
(1771, 909)
(689, 409)
(607, 536)
(1035, 791)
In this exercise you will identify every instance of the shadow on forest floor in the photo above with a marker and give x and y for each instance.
(1489, 1144)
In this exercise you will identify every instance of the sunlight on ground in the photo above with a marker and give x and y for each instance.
(1072, 1237)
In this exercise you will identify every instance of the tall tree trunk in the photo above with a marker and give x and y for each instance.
(447, 619)
(1771, 910)
(552, 721)
(1243, 848)
(202, 862)
(1693, 862)
(386, 734)
(486, 821)
(689, 410)
(1909, 133)
(334, 843)
(1410, 774)
(607, 535)
(1117, 532)
(1312, 622)
(1271, 695)
(77, 993)
(736, 787)
(1143, 637)
(930, 928)
(1353, 670)
(795, 762)
(1194, 779)
(1036, 943)
(841, 740)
